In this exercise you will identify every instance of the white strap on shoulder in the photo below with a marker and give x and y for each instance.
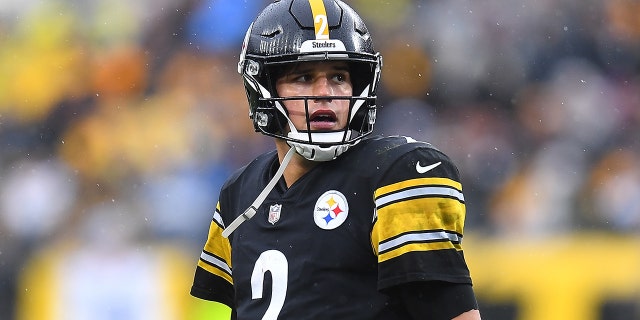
(249, 212)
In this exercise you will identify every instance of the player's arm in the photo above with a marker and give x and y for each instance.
(436, 299)
(417, 235)
(213, 280)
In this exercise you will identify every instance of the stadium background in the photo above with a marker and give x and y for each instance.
(120, 119)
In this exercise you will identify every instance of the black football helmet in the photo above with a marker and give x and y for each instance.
(293, 31)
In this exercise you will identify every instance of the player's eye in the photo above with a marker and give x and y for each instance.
(306, 78)
(341, 77)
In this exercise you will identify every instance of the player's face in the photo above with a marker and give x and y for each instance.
(324, 79)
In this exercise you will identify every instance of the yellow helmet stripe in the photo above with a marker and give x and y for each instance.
(320, 20)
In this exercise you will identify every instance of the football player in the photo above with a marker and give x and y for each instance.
(330, 224)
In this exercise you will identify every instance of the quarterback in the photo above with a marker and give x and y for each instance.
(334, 223)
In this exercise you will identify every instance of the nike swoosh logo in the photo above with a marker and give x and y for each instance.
(422, 169)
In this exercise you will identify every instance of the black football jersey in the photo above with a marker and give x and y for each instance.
(388, 211)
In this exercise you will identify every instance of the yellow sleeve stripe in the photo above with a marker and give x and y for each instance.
(419, 215)
(407, 184)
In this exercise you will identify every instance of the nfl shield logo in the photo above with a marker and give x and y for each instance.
(274, 213)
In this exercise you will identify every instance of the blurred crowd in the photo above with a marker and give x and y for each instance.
(119, 121)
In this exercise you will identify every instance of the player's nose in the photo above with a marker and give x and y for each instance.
(322, 87)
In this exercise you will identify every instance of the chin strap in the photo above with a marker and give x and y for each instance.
(315, 152)
(251, 211)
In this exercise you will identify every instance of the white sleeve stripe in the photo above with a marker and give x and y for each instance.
(215, 262)
(420, 192)
(218, 218)
(419, 237)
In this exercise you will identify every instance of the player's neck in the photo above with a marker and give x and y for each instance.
(297, 167)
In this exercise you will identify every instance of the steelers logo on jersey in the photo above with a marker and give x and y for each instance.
(331, 210)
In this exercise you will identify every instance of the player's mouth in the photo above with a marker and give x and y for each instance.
(323, 120)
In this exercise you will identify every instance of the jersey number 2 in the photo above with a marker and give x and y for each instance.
(275, 262)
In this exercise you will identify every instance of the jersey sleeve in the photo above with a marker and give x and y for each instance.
(419, 220)
(213, 280)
